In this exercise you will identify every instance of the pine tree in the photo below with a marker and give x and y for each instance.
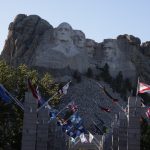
(105, 74)
(11, 117)
(119, 82)
(89, 73)
(77, 76)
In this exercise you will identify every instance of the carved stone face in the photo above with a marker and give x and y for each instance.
(90, 46)
(64, 32)
(90, 43)
(79, 38)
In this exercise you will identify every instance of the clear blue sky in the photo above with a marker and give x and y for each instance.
(98, 19)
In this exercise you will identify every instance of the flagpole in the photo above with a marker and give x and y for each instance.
(115, 102)
(120, 106)
(16, 101)
(99, 85)
(98, 146)
(46, 103)
(69, 117)
(94, 138)
(97, 126)
(63, 109)
(137, 89)
(49, 99)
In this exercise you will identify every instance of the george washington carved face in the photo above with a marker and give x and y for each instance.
(64, 32)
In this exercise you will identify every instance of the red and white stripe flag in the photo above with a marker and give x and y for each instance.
(144, 88)
(148, 113)
(64, 89)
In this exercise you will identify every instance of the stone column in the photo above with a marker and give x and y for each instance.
(42, 130)
(134, 123)
(115, 134)
(56, 138)
(122, 136)
(29, 123)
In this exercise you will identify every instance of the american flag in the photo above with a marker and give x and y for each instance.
(143, 88)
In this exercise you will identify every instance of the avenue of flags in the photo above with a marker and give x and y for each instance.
(70, 121)
(68, 118)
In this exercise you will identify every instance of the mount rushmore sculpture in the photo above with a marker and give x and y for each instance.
(66, 50)
(33, 41)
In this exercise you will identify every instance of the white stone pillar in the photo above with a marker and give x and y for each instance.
(42, 130)
(134, 123)
(29, 123)
(115, 134)
(122, 135)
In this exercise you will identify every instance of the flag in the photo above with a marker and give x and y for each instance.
(83, 138)
(33, 89)
(105, 109)
(81, 128)
(73, 140)
(35, 92)
(143, 88)
(53, 113)
(73, 132)
(148, 113)
(67, 112)
(73, 107)
(75, 118)
(66, 127)
(61, 121)
(41, 101)
(91, 137)
(4, 95)
(64, 89)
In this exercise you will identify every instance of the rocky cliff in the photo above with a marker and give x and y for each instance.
(125, 54)
(34, 41)
(63, 50)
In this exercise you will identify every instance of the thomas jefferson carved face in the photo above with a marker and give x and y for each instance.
(79, 38)
(64, 32)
